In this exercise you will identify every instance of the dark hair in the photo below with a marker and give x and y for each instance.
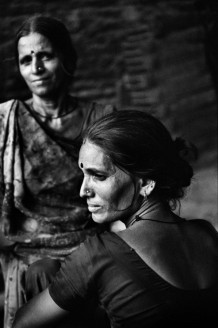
(56, 32)
(139, 144)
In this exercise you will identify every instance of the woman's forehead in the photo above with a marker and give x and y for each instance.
(92, 155)
(34, 42)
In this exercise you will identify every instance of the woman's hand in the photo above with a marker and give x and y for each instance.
(117, 226)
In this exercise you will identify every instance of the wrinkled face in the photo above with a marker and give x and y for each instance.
(111, 193)
(40, 65)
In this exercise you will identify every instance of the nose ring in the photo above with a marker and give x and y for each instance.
(87, 191)
(39, 68)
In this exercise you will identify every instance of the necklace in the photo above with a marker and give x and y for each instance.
(138, 218)
(51, 117)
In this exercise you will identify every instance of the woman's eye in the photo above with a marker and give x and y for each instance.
(99, 177)
(26, 60)
(46, 56)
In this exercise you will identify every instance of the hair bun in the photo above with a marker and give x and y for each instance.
(186, 150)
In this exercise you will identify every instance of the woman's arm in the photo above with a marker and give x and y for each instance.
(41, 311)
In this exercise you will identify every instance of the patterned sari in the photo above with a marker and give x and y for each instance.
(41, 211)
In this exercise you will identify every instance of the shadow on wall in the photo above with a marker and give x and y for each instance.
(203, 190)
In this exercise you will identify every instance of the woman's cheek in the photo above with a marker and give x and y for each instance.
(123, 195)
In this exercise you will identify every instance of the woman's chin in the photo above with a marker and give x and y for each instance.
(98, 218)
(101, 218)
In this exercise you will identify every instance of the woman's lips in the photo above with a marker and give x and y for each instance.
(40, 81)
(93, 208)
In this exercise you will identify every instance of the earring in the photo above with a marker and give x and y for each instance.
(152, 185)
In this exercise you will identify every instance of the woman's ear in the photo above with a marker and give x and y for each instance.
(147, 187)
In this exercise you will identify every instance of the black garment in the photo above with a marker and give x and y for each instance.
(105, 269)
(39, 276)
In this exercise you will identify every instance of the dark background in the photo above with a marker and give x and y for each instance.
(157, 56)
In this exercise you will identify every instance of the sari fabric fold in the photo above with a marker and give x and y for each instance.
(41, 211)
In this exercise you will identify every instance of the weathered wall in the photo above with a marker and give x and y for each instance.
(148, 55)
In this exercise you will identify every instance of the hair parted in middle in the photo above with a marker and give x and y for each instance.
(56, 32)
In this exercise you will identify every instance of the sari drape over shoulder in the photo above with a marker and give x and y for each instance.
(41, 211)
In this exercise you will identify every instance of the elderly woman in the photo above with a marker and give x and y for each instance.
(40, 208)
(148, 267)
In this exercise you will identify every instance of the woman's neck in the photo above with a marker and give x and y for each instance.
(50, 107)
(152, 209)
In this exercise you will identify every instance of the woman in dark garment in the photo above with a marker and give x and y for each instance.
(40, 208)
(150, 267)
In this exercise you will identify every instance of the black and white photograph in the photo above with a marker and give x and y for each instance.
(108, 164)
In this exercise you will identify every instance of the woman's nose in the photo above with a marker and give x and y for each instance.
(86, 190)
(37, 67)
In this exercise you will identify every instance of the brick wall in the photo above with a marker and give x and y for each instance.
(148, 55)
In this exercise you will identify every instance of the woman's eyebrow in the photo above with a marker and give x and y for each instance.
(24, 57)
(93, 170)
